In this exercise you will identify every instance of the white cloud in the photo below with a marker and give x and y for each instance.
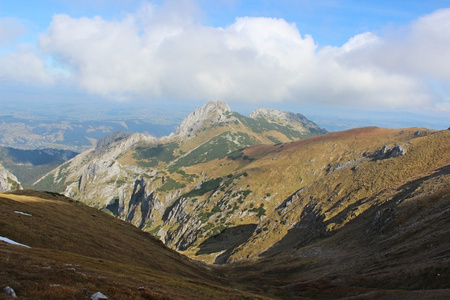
(162, 52)
(24, 66)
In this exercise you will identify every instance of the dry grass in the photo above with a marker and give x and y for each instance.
(77, 250)
(380, 231)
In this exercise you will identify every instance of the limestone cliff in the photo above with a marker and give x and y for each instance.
(8, 181)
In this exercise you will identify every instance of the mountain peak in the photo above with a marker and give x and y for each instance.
(209, 114)
(109, 140)
(299, 121)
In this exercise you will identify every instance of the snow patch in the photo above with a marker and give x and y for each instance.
(6, 240)
(22, 213)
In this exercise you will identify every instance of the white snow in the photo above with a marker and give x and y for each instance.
(22, 213)
(6, 240)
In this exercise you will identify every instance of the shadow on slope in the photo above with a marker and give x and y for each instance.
(397, 248)
(227, 241)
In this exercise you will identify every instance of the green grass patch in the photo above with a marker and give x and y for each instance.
(170, 184)
(260, 211)
(217, 148)
(151, 156)
(206, 187)
(235, 155)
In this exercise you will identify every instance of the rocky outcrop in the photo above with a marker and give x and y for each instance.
(140, 205)
(10, 292)
(388, 152)
(99, 296)
(8, 181)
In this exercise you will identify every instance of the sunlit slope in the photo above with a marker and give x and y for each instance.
(393, 244)
(338, 176)
(77, 250)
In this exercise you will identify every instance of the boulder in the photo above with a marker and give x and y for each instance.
(10, 292)
(98, 296)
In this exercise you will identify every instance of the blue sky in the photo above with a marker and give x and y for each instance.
(300, 55)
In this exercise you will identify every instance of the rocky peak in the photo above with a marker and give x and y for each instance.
(210, 114)
(284, 118)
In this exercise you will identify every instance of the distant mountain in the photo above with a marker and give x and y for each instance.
(76, 135)
(30, 165)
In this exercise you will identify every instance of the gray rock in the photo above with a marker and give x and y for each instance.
(10, 292)
(387, 152)
(419, 133)
(99, 296)
(8, 181)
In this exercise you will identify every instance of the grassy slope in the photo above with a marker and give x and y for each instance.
(397, 250)
(380, 230)
(330, 188)
(77, 250)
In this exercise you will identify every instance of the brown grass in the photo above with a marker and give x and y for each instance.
(77, 250)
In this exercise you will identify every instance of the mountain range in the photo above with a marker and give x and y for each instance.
(275, 202)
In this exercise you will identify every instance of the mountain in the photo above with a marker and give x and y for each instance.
(30, 165)
(70, 251)
(8, 181)
(147, 181)
(289, 213)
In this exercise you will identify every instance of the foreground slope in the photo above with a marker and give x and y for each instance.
(76, 251)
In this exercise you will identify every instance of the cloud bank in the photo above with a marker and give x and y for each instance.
(163, 53)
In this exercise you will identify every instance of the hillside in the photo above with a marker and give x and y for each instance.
(77, 250)
(392, 245)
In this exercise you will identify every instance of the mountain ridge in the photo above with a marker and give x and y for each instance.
(140, 178)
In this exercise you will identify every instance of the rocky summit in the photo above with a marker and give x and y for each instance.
(209, 115)
(282, 205)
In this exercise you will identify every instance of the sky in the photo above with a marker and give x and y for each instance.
(323, 57)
